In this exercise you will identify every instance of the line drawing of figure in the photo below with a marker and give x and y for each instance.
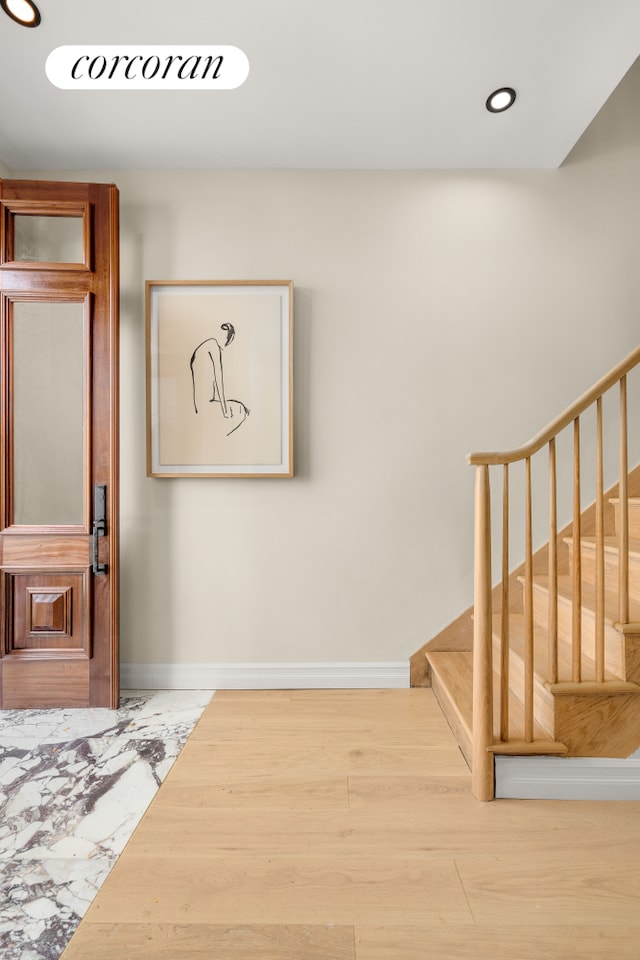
(207, 378)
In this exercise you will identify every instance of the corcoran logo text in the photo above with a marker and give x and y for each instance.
(113, 67)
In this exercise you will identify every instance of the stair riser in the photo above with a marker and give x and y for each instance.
(614, 644)
(634, 518)
(611, 569)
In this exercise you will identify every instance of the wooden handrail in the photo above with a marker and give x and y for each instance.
(569, 415)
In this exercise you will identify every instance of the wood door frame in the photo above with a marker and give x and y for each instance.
(97, 204)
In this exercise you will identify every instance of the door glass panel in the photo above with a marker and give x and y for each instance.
(48, 239)
(48, 413)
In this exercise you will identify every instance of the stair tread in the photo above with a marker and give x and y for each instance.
(455, 672)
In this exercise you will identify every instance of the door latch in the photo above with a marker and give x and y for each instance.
(99, 525)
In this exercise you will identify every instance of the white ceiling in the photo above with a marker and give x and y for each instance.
(384, 84)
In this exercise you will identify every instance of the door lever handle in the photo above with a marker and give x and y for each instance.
(99, 525)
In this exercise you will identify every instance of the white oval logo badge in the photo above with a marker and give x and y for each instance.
(146, 67)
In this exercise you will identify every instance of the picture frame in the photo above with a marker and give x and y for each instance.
(219, 378)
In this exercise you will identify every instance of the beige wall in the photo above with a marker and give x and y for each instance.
(436, 313)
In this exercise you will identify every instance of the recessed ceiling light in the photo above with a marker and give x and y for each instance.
(24, 12)
(500, 100)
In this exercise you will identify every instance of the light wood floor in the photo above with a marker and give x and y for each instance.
(339, 825)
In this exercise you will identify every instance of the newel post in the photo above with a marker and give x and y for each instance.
(482, 761)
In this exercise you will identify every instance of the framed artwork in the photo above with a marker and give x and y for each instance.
(219, 378)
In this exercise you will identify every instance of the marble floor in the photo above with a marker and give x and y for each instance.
(73, 786)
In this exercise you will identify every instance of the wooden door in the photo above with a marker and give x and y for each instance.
(58, 444)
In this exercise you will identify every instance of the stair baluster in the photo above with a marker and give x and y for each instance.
(599, 624)
(528, 610)
(576, 628)
(553, 565)
(504, 622)
(623, 588)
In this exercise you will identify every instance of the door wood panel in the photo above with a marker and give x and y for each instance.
(59, 618)
(47, 615)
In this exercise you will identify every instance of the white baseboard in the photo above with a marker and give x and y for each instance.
(263, 676)
(567, 778)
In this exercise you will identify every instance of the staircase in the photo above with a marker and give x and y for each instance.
(551, 664)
